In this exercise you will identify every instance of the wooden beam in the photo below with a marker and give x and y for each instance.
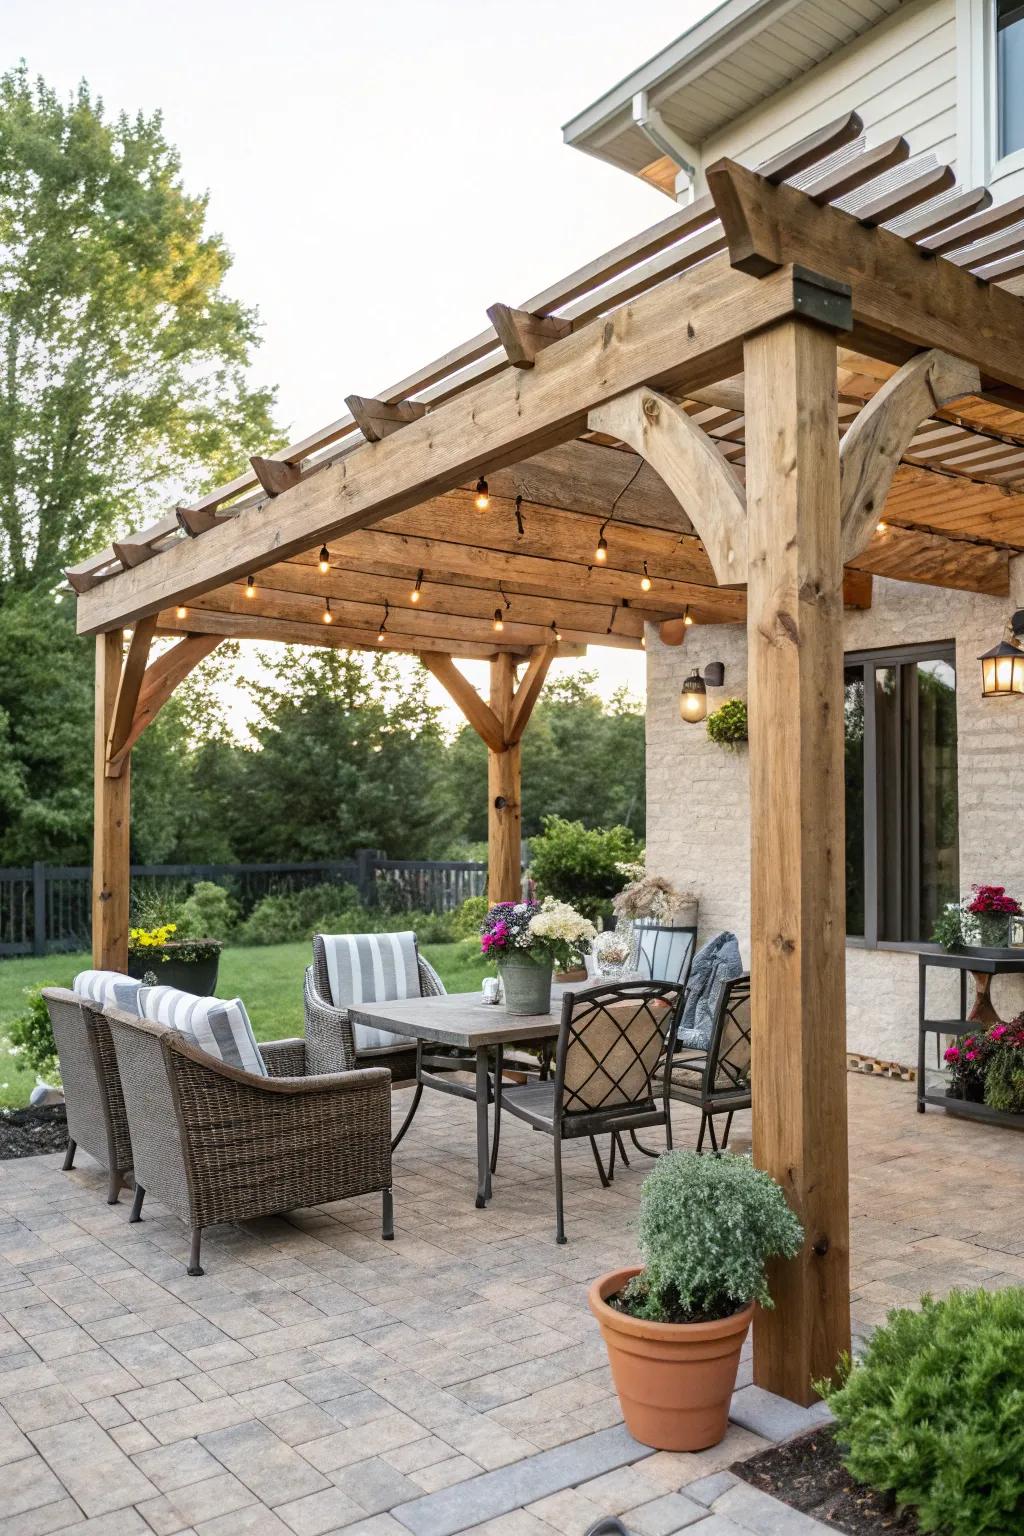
(617, 628)
(689, 463)
(685, 333)
(504, 794)
(524, 335)
(132, 674)
(479, 714)
(111, 858)
(798, 930)
(882, 432)
(377, 419)
(275, 475)
(528, 692)
(903, 298)
(157, 684)
(858, 589)
(250, 626)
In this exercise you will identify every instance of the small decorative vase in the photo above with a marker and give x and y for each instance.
(526, 984)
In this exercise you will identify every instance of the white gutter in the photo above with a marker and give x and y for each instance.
(665, 139)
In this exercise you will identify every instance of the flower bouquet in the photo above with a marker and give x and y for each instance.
(650, 897)
(528, 939)
(982, 921)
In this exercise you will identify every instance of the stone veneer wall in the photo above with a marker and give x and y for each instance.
(698, 803)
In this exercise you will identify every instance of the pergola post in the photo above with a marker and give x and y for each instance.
(798, 899)
(504, 792)
(111, 863)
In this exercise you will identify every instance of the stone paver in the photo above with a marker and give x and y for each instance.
(318, 1381)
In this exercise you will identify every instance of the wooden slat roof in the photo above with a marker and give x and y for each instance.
(439, 574)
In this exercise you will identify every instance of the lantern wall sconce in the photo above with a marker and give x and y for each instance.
(693, 699)
(1002, 668)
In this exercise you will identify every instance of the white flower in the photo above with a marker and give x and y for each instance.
(558, 920)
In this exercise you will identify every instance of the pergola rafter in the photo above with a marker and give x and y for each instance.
(711, 399)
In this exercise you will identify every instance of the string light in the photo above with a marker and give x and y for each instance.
(687, 618)
(181, 612)
(645, 580)
(383, 622)
(328, 615)
(881, 527)
(325, 560)
(555, 630)
(483, 499)
(250, 586)
(499, 622)
(414, 595)
(601, 552)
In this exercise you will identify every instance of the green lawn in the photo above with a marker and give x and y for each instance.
(269, 980)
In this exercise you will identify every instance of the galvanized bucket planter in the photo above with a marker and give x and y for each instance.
(526, 984)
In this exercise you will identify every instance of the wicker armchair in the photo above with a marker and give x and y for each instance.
(217, 1144)
(97, 1121)
(716, 1081)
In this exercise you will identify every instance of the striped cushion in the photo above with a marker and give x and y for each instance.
(371, 968)
(108, 989)
(219, 1028)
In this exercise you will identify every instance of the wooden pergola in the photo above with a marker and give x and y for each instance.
(705, 423)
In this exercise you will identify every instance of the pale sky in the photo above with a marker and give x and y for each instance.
(381, 173)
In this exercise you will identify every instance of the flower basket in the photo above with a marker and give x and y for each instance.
(528, 939)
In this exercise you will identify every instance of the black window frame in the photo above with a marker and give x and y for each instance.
(870, 659)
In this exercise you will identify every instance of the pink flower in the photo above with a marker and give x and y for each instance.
(972, 1055)
(953, 1053)
(998, 1032)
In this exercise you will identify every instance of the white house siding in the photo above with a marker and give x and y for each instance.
(901, 77)
(698, 804)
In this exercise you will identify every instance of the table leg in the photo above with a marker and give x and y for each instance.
(983, 1012)
(483, 1143)
(922, 992)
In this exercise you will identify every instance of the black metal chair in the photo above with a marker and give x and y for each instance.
(610, 1040)
(715, 1081)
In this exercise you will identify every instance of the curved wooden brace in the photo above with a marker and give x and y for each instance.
(155, 687)
(691, 466)
(870, 453)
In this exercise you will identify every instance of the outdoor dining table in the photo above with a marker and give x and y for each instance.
(465, 1021)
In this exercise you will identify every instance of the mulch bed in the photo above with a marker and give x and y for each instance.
(29, 1132)
(807, 1474)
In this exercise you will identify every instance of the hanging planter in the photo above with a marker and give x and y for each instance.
(727, 726)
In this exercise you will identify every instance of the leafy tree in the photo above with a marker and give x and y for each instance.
(348, 754)
(122, 359)
(572, 724)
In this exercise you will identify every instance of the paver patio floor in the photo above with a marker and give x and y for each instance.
(319, 1380)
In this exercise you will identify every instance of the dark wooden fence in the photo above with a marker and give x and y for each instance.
(48, 907)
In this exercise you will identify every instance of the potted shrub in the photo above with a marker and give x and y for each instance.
(966, 1060)
(674, 1328)
(527, 939)
(727, 725)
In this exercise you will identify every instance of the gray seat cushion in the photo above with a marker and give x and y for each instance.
(219, 1028)
(108, 989)
(372, 968)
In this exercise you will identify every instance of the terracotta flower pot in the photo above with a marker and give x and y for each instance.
(675, 1380)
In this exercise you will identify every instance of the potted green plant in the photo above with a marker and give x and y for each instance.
(528, 939)
(727, 725)
(674, 1327)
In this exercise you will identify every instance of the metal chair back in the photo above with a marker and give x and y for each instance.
(665, 954)
(610, 1041)
(728, 1064)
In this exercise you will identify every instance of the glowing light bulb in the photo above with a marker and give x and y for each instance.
(325, 560)
(250, 586)
(414, 595)
(881, 527)
(483, 499)
(645, 580)
(181, 612)
(688, 619)
(555, 630)
(499, 622)
(601, 552)
(328, 616)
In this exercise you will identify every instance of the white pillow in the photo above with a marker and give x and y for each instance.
(219, 1028)
(108, 989)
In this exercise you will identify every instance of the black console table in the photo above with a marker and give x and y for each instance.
(982, 967)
